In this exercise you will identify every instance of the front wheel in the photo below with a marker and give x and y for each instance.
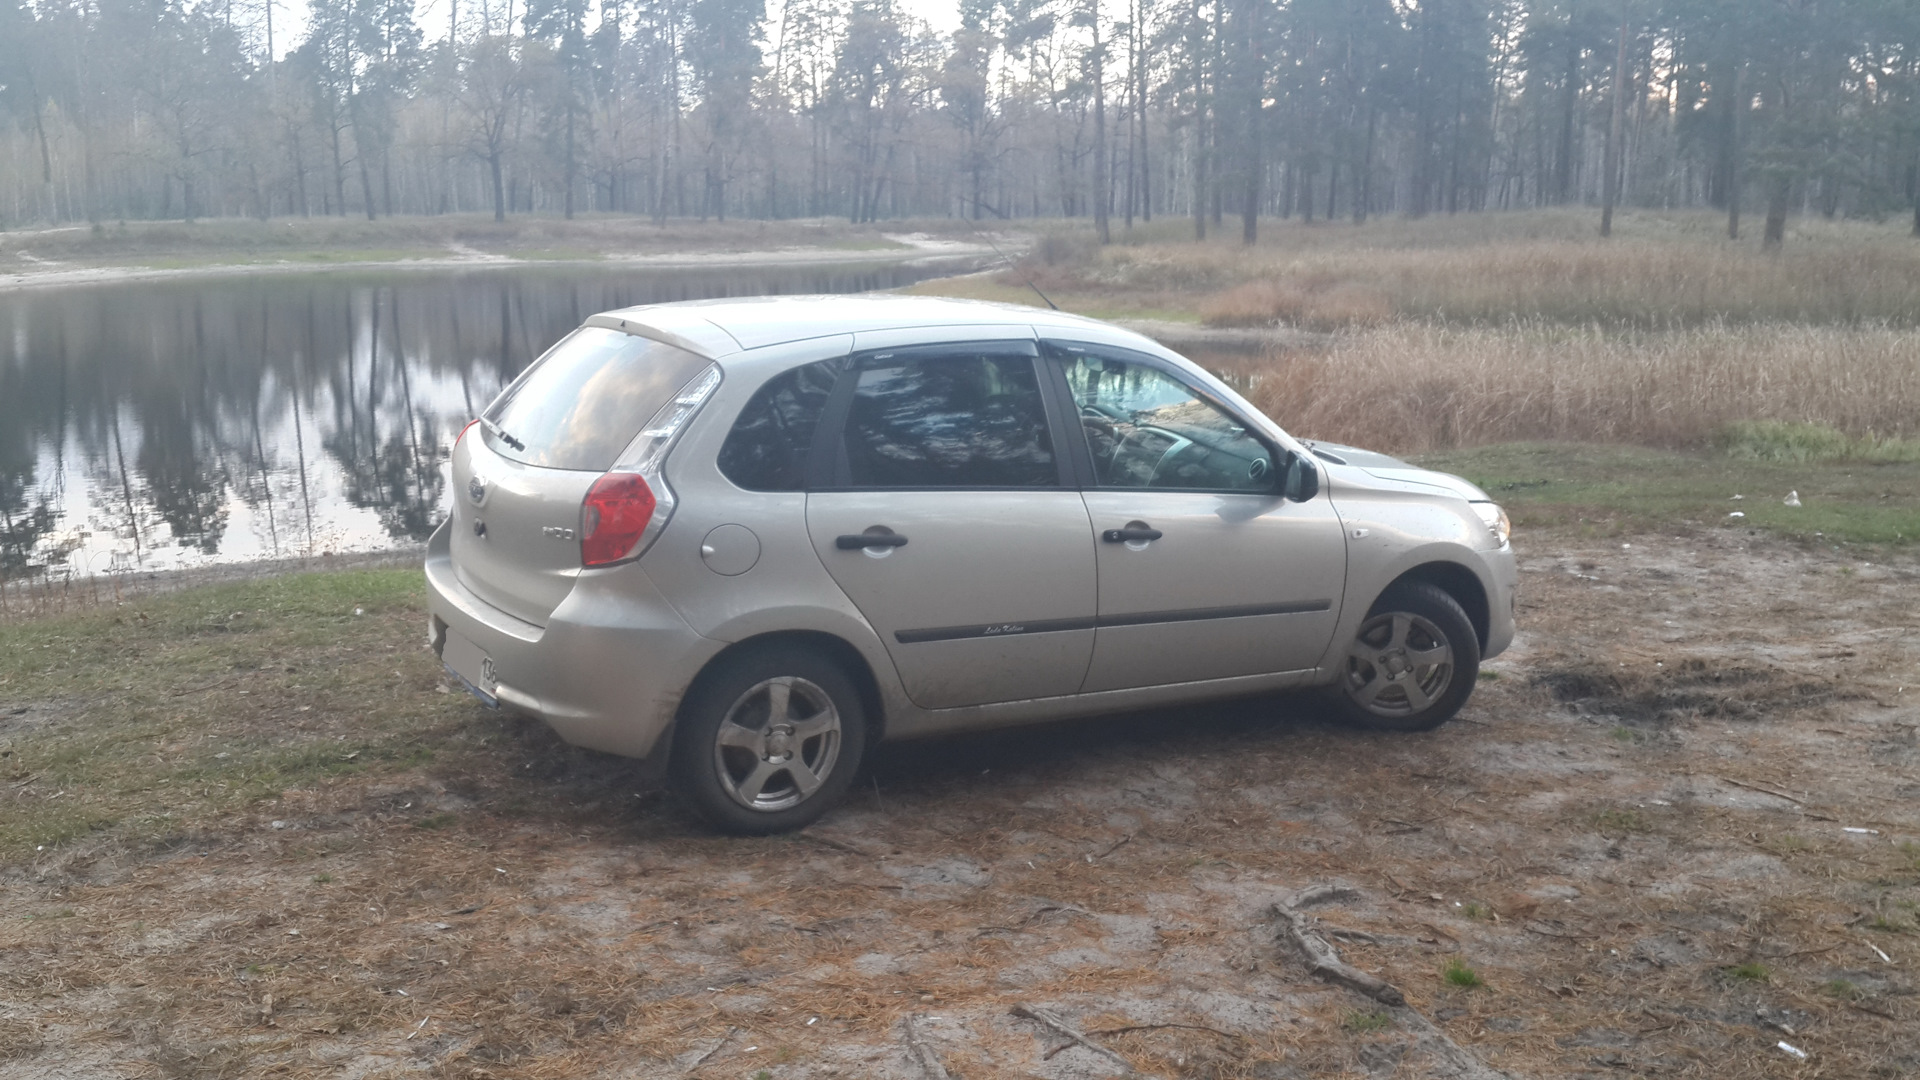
(1412, 663)
(768, 741)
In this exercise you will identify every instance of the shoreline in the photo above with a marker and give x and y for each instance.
(54, 593)
(918, 249)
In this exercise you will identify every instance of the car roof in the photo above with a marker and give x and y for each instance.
(717, 328)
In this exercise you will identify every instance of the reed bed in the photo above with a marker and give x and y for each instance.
(1658, 271)
(1411, 387)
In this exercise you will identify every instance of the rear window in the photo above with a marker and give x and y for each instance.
(582, 403)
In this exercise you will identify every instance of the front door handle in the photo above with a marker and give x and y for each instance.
(1131, 534)
(857, 541)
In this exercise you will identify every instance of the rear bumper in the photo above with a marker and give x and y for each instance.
(607, 671)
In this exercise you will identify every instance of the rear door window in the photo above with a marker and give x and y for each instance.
(772, 440)
(583, 402)
(949, 417)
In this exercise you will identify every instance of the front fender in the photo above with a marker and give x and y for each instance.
(1391, 534)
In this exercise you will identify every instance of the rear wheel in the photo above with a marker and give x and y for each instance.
(1412, 663)
(769, 740)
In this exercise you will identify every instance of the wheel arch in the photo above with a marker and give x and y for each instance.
(1460, 583)
(837, 649)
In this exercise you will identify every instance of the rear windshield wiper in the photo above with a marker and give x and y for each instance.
(500, 433)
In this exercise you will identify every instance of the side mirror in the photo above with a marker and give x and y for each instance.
(1302, 479)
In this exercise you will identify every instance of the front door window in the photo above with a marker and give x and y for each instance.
(1147, 429)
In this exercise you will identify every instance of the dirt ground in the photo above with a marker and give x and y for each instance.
(1673, 834)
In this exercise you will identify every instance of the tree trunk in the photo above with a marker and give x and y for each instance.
(1140, 104)
(1733, 155)
(1100, 185)
(1254, 71)
(366, 178)
(1779, 189)
(573, 164)
(1219, 70)
(1126, 114)
(499, 189)
(1363, 201)
(1610, 186)
(339, 174)
(300, 175)
(1569, 101)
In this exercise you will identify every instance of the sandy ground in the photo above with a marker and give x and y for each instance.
(45, 273)
(1673, 834)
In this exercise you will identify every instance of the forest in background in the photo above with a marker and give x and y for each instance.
(1109, 110)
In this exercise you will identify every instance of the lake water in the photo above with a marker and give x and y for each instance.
(160, 425)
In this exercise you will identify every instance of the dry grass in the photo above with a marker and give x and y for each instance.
(1486, 328)
(1312, 304)
(1412, 387)
(1659, 270)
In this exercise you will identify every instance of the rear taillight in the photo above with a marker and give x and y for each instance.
(627, 509)
(614, 517)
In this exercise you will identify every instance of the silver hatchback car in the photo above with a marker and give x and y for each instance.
(749, 539)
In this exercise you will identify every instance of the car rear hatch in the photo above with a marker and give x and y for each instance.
(520, 474)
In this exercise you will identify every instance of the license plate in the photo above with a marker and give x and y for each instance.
(472, 666)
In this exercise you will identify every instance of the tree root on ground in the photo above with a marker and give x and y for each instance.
(1449, 1060)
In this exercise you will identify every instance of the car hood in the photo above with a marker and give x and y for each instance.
(1352, 459)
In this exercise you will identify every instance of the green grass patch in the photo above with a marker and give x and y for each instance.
(157, 715)
(1457, 973)
(1619, 821)
(1623, 490)
(1799, 443)
(1751, 971)
(1366, 1022)
(1784, 844)
(1843, 989)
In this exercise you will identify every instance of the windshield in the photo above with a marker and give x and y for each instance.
(581, 403)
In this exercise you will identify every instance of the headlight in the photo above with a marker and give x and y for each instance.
(1496, 519)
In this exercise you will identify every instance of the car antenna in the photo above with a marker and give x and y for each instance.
(1028, 278)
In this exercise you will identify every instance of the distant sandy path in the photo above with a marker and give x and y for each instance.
(918, 247)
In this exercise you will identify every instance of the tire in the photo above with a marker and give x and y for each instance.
(1411, 665)
(768, 740)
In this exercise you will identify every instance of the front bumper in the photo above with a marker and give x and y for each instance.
(1505, 601)
(608, 670)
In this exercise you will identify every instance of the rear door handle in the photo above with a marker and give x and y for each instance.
(1122, 536)
(866, 540)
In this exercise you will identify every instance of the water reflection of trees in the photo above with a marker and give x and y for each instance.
(177, 403)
